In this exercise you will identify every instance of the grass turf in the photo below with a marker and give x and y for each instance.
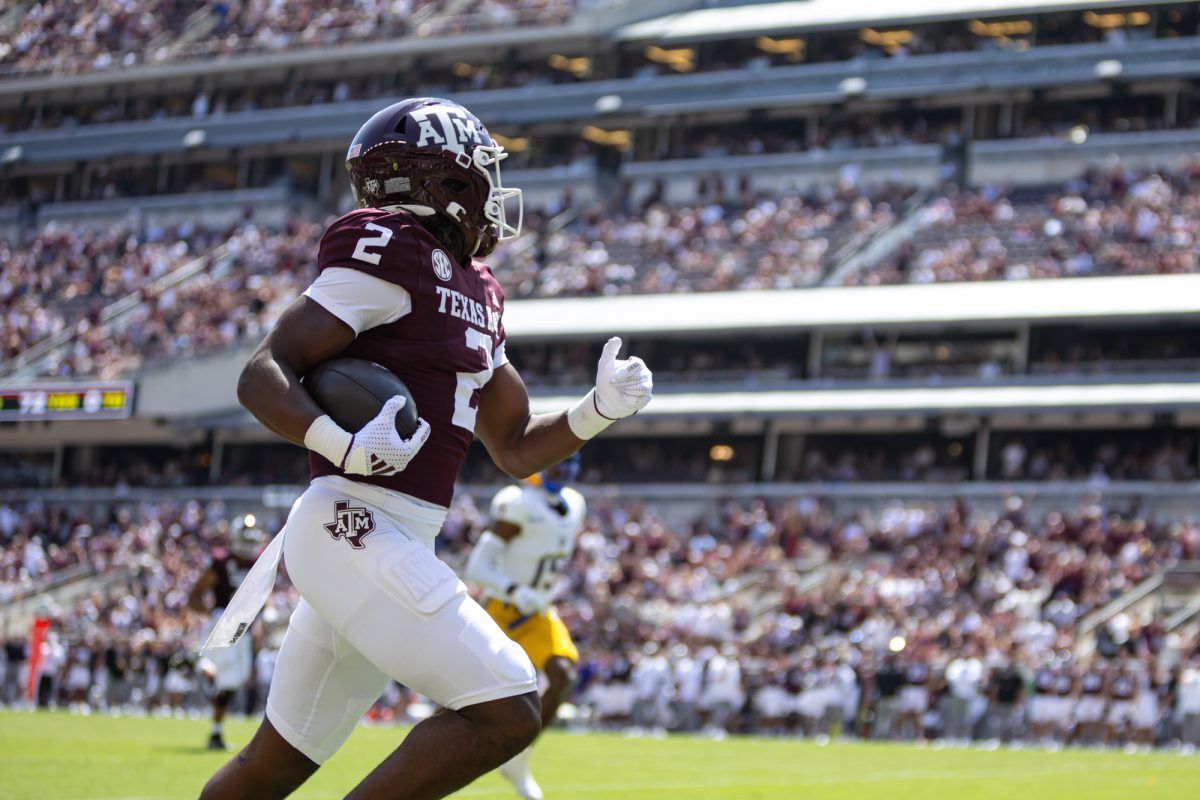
(54, 756)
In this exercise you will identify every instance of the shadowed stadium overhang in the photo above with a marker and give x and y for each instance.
(798, 16)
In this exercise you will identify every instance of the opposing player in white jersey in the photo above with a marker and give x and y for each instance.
(229, 669)
(517, 563)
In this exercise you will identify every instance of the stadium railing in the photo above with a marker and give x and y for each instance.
(271, 206)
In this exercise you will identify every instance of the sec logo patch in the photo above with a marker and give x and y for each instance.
(441, 265)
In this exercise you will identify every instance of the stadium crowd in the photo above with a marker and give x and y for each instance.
(251, 276)
(751, 242)
(742, 241)
(906, 620)
(51, 36)
(1111, 221)
(62, 275)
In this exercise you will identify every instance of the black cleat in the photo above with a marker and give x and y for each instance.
(215, 742)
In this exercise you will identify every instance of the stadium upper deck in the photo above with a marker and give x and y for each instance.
(53, 37)
(811, 84)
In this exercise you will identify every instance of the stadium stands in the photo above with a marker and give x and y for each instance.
(1110, 222)
(741, 243)
(62, 275)
(762, 617)
(124, 34)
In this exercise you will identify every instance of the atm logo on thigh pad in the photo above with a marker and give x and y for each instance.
(352, 524)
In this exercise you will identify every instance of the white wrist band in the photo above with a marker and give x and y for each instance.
(584, 419)
(326, 438)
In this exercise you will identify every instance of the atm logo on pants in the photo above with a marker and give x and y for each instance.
(352, 524)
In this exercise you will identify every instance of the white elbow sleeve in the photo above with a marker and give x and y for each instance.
(483, 565)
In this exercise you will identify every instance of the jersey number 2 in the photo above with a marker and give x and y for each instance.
(360, 249)
(466, 395)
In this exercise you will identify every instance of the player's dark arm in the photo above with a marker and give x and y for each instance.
(522, 443)
(195, 600)
(269, 387)
(505, 530)
(519, 441)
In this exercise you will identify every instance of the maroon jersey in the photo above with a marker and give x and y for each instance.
(443, 349)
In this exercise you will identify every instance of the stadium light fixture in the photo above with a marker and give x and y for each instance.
(580, 67)
(194, 138)
(1005, 29)
(721, 452)
(793, 49)
(607, 104)
(513, 144)
(619, 139)
(890, 41)
(852, 87)
(1106, 22)
(680, 59)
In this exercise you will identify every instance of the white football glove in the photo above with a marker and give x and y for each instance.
(376, 450)
(623, 388)
(529, 600)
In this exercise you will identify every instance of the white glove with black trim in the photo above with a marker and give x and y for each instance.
(377, 449)
(529, 600)
(623, 388)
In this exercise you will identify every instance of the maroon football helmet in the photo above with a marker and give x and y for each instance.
(433, 158)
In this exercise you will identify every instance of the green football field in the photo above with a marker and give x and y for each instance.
(60, 757)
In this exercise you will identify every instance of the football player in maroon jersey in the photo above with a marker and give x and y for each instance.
(402, 283)
(226, 671)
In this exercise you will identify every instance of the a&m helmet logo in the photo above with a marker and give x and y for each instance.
(448, 126)
(442, 266)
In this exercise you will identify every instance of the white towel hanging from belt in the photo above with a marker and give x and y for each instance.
(249, 598)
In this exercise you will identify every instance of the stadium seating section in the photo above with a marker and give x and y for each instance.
(1112, 222)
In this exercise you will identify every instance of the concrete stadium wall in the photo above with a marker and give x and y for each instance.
(1054, 160)
(912, 164)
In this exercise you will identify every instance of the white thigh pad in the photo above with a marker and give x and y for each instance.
(417, 578)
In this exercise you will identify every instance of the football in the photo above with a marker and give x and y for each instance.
(353, 390)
